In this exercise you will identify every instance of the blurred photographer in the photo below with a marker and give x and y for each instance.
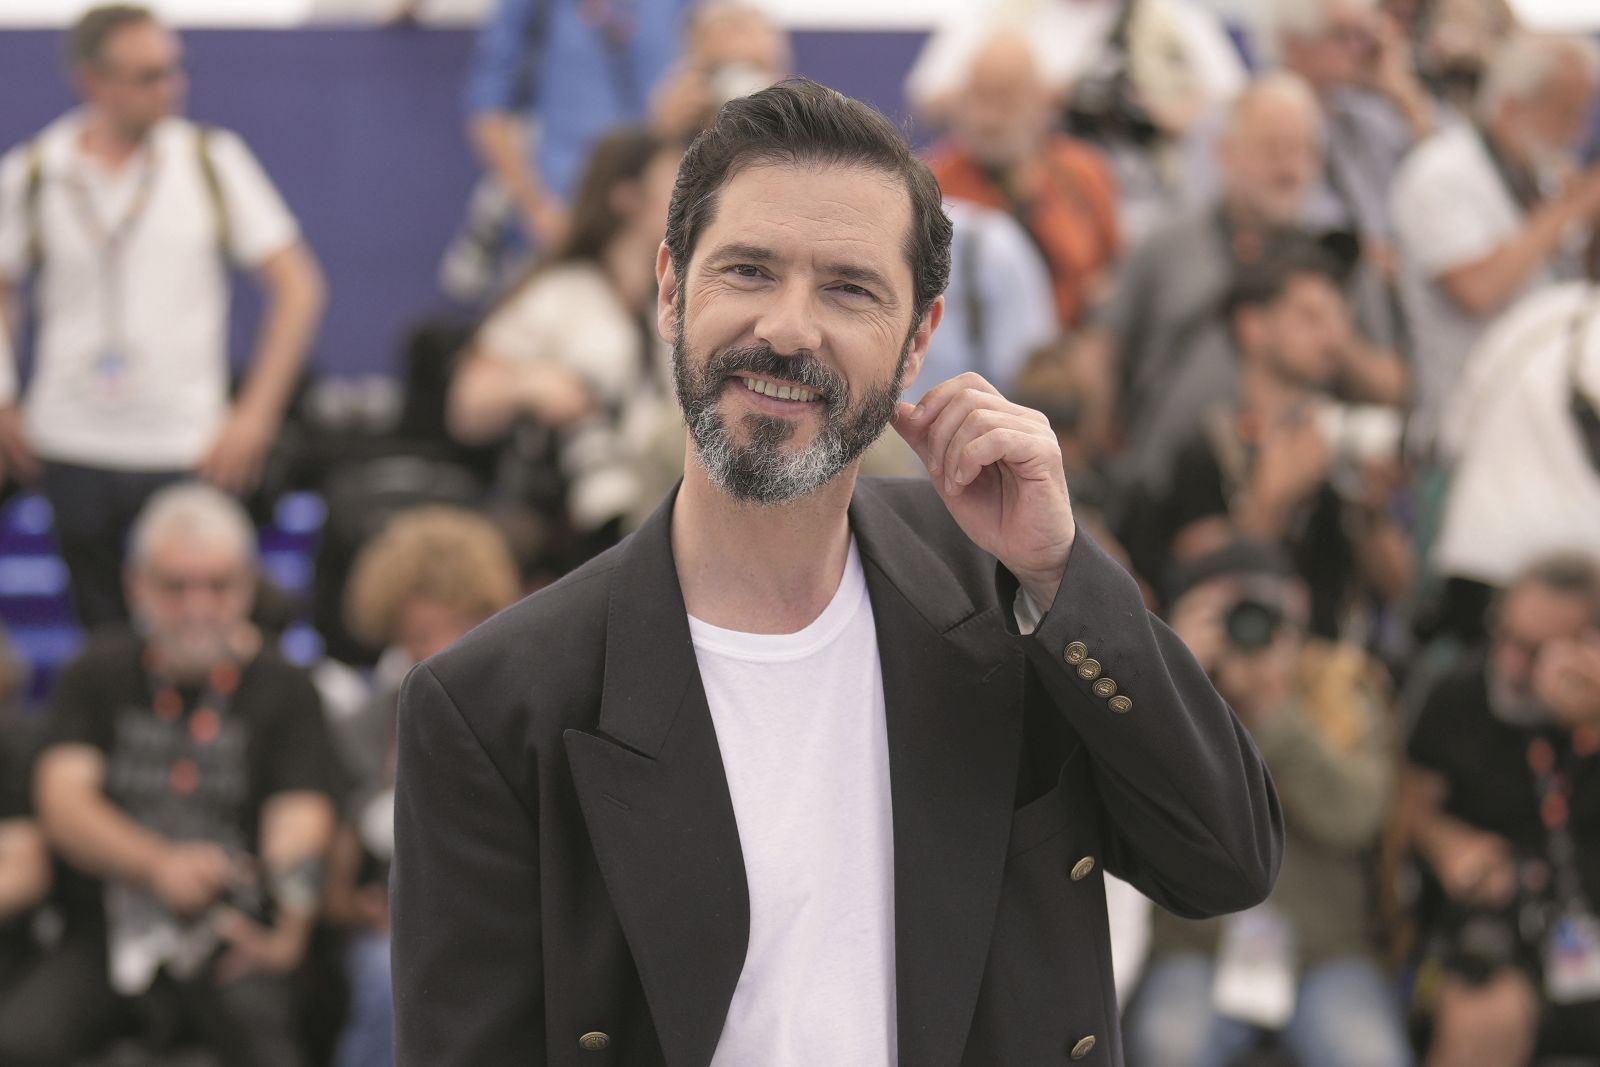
(1283, 463)
(1490, 210)
(732, 48)
(1502, 801)
(1004, 152)
(1132, 76)
(187, 781)
(1302, 966)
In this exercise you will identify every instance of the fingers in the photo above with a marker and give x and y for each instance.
(1018, 447)
(933, 425)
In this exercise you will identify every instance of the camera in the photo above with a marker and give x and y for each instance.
(1252, 623)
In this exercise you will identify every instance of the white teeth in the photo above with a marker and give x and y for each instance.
(779, 392)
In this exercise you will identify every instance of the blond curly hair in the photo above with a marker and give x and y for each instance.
(447, 555)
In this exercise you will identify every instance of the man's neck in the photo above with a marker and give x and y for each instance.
(757, 569)
(106, 142)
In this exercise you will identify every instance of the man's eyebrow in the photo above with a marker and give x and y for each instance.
(855, 272)
(752, 253)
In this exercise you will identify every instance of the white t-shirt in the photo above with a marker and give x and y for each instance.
(800, 723)
(1450, 208)
(1523, 487)
(160, 398)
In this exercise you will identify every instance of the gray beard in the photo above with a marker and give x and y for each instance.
(762, 472)
(1513, 708)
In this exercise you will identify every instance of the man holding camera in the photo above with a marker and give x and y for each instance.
(187, 782)
(1502, 799)
(1303, 963)
(1275, 465)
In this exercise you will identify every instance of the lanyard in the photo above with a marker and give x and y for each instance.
(1552, 784)
(204, 724)
(111, 241)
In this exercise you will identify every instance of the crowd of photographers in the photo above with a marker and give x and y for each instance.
(1310, 302)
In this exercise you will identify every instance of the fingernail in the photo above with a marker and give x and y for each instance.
(917, 412)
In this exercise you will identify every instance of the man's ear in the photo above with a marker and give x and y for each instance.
(918, 350)
(666, 296)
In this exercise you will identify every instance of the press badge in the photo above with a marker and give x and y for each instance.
(1255, 979)
(111, 375)
(1572, 959)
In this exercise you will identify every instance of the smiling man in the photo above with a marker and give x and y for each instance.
(812, 769)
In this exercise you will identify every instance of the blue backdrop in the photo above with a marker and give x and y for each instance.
(362, 131)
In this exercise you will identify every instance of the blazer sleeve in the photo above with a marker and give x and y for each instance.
(464, 896)
(1193, 820)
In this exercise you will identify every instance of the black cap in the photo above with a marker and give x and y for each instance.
(1238, 558)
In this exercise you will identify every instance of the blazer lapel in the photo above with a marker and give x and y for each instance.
(655, 800)
(953, 688)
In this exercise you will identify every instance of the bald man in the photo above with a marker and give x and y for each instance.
(1003, 152)
(1160, 351)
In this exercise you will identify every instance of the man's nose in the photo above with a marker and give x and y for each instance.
(789, 324)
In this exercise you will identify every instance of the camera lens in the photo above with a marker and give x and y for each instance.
(1251, 624)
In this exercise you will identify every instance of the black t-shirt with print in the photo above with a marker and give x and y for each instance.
(1484, 762)
(1322, 551)
(203, 775)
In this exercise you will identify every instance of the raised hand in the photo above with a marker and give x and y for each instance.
(997, 466)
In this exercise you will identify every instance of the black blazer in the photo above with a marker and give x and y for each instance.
(568, 886)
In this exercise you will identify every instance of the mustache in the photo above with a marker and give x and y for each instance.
(762, 361)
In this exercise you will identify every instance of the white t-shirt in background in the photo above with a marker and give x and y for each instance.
(170, 399)
(800, 724)
(1450, 208)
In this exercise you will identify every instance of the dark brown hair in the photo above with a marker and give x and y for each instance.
(798, 121)
(86, 40)
(623, 155)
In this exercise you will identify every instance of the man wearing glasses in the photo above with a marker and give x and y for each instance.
(187, 782)
(127, 220)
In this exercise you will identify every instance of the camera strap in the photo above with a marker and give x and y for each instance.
(1518, 183)
(1579, 405)
(1572, 948)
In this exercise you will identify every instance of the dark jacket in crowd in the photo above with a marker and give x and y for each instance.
(568, 864)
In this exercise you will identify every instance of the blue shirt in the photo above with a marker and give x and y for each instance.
(580, 84)
(998, 308)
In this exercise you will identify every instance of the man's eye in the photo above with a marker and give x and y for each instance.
(852, 290)
(745, 270)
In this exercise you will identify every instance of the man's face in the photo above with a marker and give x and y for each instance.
(1271, 158)
(139, 78)
(792, 331)
(1554, 121)
(190, 596)
(1346, 50)
(1532, 618)
(1302, 335)
(1003, 116)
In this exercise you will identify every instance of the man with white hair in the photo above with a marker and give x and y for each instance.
(1489, 210)
(187, 782)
